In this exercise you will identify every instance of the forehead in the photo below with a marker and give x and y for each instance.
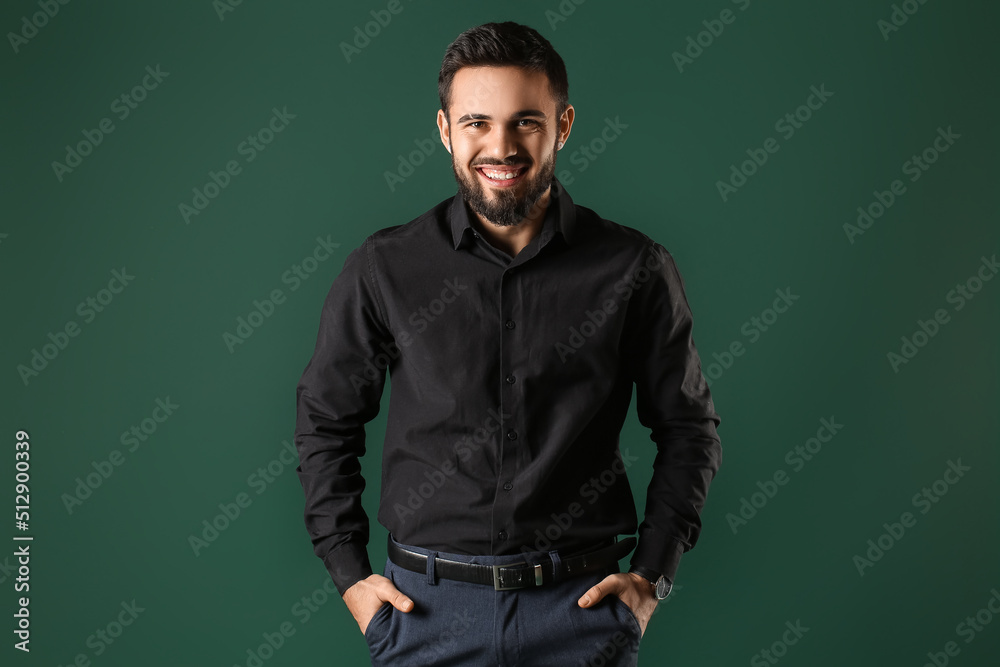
(499, 91)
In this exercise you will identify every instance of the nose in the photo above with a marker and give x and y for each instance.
(501, 143)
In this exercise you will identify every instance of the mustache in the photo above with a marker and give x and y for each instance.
(502, 163)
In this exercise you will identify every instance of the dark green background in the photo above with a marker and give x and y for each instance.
(324, 175)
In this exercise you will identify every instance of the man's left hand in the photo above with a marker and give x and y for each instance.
(633, 589)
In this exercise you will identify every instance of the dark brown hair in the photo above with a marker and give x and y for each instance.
(500, 45)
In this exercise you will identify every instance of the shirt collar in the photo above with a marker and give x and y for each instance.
(560, 217)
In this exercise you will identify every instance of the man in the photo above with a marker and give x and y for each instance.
(513, 324)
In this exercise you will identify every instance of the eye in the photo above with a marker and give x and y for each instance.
(475, 123)
(529, 121)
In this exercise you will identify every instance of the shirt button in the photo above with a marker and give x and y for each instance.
(507, 486)
(512, 435)
(510, 379)
(502, 535)
(510, 324)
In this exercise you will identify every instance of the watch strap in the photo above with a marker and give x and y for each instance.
(651, 575)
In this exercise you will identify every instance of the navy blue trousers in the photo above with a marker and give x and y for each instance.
(459, 623)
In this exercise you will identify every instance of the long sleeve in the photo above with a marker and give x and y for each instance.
(674, 402)
(338, 393)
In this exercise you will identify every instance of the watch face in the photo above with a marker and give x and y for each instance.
(662, 588)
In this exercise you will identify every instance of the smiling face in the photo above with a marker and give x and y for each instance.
(503, 134)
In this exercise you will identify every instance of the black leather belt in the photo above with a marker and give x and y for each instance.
(514, 575)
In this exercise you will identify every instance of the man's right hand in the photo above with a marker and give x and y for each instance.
(366, 597)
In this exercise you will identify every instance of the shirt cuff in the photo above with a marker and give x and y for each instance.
(347, 565)
(664, 558)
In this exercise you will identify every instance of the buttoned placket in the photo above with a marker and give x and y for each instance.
(514, 334)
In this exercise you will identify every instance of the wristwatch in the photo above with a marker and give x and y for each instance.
(661, 585)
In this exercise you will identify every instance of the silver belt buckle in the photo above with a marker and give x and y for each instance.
(496, 576)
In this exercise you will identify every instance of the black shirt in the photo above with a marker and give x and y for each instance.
(510, 381)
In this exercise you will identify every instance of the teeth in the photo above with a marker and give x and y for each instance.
(499, 175)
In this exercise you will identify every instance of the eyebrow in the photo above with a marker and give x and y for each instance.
(517, 116)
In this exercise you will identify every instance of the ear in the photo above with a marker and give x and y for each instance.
(444, 129)
(566, 124)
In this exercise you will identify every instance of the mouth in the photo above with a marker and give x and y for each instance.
(500, 176)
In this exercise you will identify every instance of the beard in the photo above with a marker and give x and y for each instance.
(505, 207)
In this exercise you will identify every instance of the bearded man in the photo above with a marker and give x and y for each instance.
(513, 324)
